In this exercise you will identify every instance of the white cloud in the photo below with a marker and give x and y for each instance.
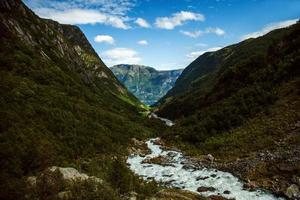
(120, 56)
(142, 42)
(104, 39)
(177, 19)
(194, 34)
(216, 31)
(198, 33)
(111, 7)
(142, 23)
(81, 16)
(108, 12)
(269, 28)
(195, 54)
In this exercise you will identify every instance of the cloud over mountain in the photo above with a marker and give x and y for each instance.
(269, 28)
(177, 19)
(120, 55)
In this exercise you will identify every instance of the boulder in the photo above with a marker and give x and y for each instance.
(226, 192)
(213, 175)
(158, 142)
(31, 180)
(138, 148)
(175, 194)
(210, 158)
(172, 154)
(296, 180)
(206, 189)
(293, 192)
(136, 142)
(217, 197)
(159, 160)
(250, 185)
(132, 196)
(69, 173)
(297, 125)
(201, 178)
(206, 159)
(55, 175)
(64, 195)
(95, 179)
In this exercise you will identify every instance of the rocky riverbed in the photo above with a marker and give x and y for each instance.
(174, 170)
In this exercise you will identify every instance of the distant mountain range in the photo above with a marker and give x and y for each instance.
(146, 83)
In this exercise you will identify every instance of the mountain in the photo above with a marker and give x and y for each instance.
(60, 105)
(241, 104)
(146, 83)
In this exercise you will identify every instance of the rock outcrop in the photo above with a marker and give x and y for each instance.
(66, 174)
(58, 181)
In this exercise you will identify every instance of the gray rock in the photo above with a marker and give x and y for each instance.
(31, 180)
(206, 189)
(201, 178)
(226, 192)
(64, 195)
(296, 180)
(133, 196)
(137, 142)
(210, 157)
(69, 173)
(293, 191)
(95, 179)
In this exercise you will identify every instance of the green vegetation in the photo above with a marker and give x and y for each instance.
(261, 132)
(239, 87)
(146, 83)
(60, 105)
(241, 104)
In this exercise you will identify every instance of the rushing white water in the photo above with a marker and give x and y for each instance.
(167, 121)
(177, 174)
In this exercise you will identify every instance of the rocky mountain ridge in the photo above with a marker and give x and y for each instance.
(60, 106)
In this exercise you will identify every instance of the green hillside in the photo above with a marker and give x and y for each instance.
(241, 102)
(146, 83)
(60, 105)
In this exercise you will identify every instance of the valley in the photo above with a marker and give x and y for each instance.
(225, 127)
(146, 83)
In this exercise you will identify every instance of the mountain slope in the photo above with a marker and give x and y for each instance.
(146, 83)
(241, 104)
(217, 75)
(59, 104)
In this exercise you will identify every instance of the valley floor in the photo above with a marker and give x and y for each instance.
(274, 168)
(175, 170)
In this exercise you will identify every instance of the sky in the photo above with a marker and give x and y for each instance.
(167, 34)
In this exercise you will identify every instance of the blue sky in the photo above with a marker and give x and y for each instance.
(167, 34)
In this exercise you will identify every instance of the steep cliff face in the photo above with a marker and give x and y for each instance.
(54, 41)
(59, 104)
(146, 83)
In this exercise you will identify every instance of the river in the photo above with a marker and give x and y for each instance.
(176, 173)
